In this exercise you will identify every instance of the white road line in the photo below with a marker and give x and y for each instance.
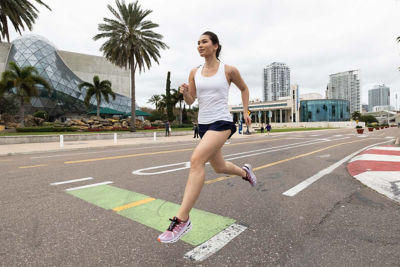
(186, 165)
(390, 148)
(86, 186)
(303, 185)
(214, 244)
(389, 137)
(377, 157)
(72, 181)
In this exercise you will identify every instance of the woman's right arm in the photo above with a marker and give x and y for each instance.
(189, 91)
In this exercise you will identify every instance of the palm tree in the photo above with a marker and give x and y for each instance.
(20, 13)
(131, 43)
(177, 97)
(25, 81)
(162, 105)
(356, 115)
(2, 88)
(98, 89)
(154, 99)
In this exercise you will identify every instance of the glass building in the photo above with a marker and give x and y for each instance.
(66, 98)
(324, 110)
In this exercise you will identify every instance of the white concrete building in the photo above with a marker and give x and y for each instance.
(346, 85)
(285, 109)
(276, 81)
(378, 96)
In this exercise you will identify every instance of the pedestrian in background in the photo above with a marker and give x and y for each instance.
(167, 128)
(268, 128)
(210, 83)
(196, 130)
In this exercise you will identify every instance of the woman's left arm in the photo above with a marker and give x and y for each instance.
(236, 78)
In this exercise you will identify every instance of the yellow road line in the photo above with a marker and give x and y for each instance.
(280, 161)
(134, 204)
(127, 156)
(33, 166)
(150, 153)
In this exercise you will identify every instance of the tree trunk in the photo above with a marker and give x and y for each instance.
(133, 107)
(22, 112)
(98, 108)
(180, 112)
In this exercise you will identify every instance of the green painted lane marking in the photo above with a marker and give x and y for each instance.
(154, 214)
(106, 196)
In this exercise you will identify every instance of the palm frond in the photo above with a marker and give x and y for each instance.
(21, 14)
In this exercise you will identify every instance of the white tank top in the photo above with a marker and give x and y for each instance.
(212, 94)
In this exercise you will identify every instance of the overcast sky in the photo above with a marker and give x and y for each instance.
(314, 38)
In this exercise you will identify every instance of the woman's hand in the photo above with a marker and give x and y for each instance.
(247, 119)
(184, 89)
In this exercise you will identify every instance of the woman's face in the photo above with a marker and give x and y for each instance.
(205, 46)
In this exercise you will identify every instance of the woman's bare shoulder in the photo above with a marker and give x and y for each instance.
(231, 70)
(193, 71)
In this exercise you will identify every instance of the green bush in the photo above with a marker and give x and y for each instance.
(368, 119)
(41, 114)
(156, 115)
(46, 129)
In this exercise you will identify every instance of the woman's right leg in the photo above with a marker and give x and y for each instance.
(211, 142)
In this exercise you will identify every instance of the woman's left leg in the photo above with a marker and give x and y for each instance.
(221, 166)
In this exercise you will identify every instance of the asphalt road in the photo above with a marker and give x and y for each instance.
(334, 221)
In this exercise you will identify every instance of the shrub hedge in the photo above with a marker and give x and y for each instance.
(47, 129)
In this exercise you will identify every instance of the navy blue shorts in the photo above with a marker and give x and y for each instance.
(217, 126)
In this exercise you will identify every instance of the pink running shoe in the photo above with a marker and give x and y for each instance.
(250, 177)
(175, 231)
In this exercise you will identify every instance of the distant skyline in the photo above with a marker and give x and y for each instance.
(314, 38)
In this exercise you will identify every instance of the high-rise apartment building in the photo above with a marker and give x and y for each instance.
(378, 96)
(276, 81)
(346, 85)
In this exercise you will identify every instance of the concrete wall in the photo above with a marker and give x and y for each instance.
(4, 50)
(86, 66)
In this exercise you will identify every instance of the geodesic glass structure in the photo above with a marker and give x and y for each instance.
(35, 50)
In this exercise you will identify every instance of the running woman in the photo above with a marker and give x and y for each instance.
(210, 83)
